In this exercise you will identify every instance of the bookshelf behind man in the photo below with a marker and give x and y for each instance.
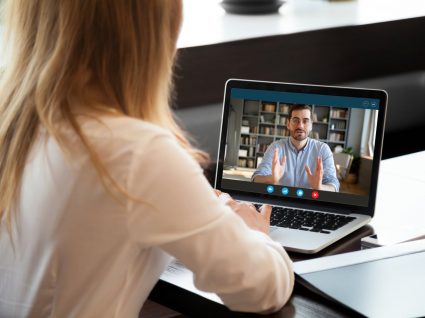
(263, 122)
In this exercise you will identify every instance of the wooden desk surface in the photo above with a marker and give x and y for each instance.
(399, 209)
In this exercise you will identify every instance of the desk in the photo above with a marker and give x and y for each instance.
(399, 202)
(206, 23)
(400, 206)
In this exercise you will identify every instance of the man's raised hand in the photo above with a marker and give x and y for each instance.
(315, 179)
(278, 167)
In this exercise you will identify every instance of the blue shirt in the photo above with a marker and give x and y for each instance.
(295, 174)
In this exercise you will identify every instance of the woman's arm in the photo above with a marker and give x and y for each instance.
(182, 215)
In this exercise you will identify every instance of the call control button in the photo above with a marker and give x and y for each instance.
(270, 189)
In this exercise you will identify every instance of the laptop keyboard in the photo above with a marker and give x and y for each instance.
(308, 220)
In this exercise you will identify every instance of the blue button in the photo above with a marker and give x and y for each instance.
(270, 189)
(285, 191)
(300, 192)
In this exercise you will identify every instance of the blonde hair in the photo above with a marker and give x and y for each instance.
(125, 48)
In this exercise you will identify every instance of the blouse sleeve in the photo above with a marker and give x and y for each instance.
(180, 213)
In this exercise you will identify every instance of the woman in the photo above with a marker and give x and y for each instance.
(98, 185)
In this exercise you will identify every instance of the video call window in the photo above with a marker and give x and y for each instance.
(342, 136)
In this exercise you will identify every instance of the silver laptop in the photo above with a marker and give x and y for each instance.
(312, 152)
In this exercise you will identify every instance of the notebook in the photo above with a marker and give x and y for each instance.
(381, 282)
(312, 152)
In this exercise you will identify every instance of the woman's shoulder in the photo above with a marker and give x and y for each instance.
(122, 129)
(120, 138)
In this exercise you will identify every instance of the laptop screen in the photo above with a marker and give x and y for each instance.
(301, 143)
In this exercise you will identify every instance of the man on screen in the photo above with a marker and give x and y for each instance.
(298, 161)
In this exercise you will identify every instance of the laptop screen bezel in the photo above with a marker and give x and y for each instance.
(312, 89)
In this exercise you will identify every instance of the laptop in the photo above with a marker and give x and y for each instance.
(340, 125)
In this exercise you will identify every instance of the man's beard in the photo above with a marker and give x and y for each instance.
(299, 134)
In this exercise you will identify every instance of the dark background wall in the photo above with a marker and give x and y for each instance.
(389, 55)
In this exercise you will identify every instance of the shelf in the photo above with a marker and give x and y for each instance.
(334, 142)
(271, 122)
(256, 134)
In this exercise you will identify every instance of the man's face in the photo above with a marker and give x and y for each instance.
(300, 124)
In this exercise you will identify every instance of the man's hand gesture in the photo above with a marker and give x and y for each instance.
(315, 179)
(278, 167)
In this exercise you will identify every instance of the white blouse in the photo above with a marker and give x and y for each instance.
(81, 252)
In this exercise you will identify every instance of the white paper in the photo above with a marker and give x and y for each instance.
(358, 257)
(177, 274)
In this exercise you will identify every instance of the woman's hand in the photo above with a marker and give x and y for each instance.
(256, 220)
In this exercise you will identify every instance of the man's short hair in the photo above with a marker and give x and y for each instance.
(300, 107)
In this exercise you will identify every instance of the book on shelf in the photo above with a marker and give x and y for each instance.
(336, 136)
(243, 152)
(338, 125)
(269, 107)
(282, 132)
(250, 163)
(268, 121)
(246, 163)
(338, 113)
(267, 130)
(284, 108)
(242, 162)
(281, 120)
(244, 129)
(248, 140)
(244, 140)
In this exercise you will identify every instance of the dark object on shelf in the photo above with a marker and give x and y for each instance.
(251, 6)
